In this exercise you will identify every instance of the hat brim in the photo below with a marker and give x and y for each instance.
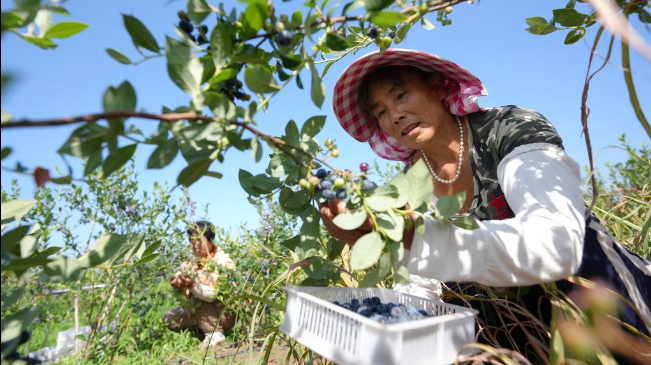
(463, 89)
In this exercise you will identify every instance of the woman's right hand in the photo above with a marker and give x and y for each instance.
(180, 282)
(329, 210)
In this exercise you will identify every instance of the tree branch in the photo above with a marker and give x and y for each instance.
(171, 117)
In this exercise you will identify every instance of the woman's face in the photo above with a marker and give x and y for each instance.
(409, 108)
(201, 246)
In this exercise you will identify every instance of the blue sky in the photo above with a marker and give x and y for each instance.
(488, 38)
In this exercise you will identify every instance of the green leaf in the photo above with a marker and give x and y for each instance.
(11, 239)
(221, 45)
(385, 264)
(65, 29)
(336, 42)
(313, 126)
(14, 324)
(374, 5)
(539, 26)
(426, 24)
(392, 223)
(183, 67)
(63, 180)
(271, 304)
(569, 17)
(117, 159)
(15, 210)
(318, 90)
(465, 222)
(260, 80)
(449, 205)
(402, 275)
(223, 75)
(140, 35)
(294, 202)
(85, 140)
(118, 56)
(105, 248)
(6, 151)
(421, 186)
(402, 187)
(63, 268)
(536, 20)
(351, 219)
(198, 10)
(265, 184)
(123, 98)
(291, 133)
(574, 35)
(193, 172)
(246, 181)
(318, 268)
(256, 150)
(384, 198)
(388, 18)
(366, 251)
(11, 297)
(254, 15)
(370, 280)
(334, 248)
(163, 155)
(44, 43)
(11, 20)
(28, 244)
(146, 258)
(222, 107)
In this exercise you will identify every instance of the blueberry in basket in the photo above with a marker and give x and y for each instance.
(385, 313)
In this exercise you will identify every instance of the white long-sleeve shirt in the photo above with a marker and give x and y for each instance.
(542, 243)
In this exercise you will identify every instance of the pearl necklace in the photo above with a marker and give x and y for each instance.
(456, 176)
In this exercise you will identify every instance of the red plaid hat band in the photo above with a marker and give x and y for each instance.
(463, 89)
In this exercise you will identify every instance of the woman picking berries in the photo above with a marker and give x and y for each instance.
(521, 186)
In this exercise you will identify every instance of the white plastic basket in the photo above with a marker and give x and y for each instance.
(348, 338)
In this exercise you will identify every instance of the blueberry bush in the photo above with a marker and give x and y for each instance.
(231, 63)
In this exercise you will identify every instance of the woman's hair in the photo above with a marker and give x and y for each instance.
(202, 227)
(392, 74)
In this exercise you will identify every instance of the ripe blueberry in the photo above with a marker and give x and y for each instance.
(341, 194)
(328, 194)
(321, 173)
(325, 184)
(392, 34)
(368, 186)
(284, 38)
(372, 33)
(186, 26)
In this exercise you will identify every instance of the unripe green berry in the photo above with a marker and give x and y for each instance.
(339, 182)
(335, 153)
(328, 142)
(303, 183)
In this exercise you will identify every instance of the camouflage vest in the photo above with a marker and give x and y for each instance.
(493, 134)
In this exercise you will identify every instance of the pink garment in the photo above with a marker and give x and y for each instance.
(463, 88)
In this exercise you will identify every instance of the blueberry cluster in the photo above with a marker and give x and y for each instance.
(186, 26)
(388, 313)
(233, 90)
(330, 185)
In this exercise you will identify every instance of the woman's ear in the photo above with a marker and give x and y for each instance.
(438, 85)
